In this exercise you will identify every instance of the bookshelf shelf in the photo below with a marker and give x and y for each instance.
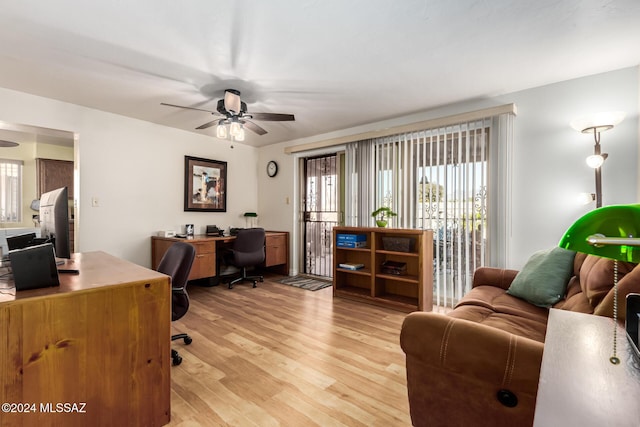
(409, 288)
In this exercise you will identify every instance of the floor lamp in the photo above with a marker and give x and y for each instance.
(595, 124)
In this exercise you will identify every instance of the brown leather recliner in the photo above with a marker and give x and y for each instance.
(479, 365)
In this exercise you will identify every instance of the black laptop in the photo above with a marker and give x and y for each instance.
(34, 267)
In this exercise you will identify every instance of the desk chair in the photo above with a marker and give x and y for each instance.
(177, 262)
(247, 251)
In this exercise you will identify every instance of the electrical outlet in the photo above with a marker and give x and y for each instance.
(94, 202)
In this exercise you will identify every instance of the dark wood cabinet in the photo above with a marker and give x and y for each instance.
(52, 174)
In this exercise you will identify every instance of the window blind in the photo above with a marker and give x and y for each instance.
(10, 190)
(439, 179)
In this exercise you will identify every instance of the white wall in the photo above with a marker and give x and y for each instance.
(549, 167)
(136, 171)
(136, 168)
(550, 156)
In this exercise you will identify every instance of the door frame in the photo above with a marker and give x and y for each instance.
(297, 236)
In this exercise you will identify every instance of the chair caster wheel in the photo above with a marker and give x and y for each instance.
(188, 340)
(230, 286)
(255, 284)
(262, 279)
(177, 360)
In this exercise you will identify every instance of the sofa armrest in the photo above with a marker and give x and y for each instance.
(491, 276)
(456, 369)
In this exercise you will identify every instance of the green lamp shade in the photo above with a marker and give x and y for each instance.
(617, 225)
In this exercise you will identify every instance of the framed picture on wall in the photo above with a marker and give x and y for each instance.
(205, 185)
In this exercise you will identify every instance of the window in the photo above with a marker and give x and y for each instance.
(10, 190)
(439, 178)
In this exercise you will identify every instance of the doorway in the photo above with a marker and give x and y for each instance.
(320, 212)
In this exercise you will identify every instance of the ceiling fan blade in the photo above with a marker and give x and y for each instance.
(253, 127)
(188, 108)
(208, 124)
(232, 101)
(273, 117)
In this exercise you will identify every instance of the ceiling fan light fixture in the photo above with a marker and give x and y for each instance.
(240, 136)
(221, 131)
(235, 116)
(8, 144)
(235, 128)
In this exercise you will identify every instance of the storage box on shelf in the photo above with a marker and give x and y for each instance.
(397, 267)
(351, 240)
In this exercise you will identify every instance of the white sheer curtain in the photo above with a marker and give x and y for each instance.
(454, 179)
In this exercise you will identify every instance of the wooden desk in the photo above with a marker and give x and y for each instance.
(101, 340)
(578, 385)
(205, 263)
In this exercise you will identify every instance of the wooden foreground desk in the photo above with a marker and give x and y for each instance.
(578, 385)
(93, 351)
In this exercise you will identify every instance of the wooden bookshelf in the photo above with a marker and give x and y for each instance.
(407, 290)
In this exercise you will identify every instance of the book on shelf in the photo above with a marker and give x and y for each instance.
(350, 244)
(351, 266)
(341, 237)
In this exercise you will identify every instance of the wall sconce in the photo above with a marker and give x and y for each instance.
(595, 124)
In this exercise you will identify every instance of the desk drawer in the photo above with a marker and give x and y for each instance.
(204, 265)
(204, 247)
(276, 250)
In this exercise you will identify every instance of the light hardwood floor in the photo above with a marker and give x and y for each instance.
(276, 355)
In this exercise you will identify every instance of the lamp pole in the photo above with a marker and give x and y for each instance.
(596, 151)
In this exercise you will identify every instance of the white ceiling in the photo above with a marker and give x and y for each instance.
(335, 64)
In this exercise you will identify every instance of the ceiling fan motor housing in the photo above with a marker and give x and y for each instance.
(222, 110)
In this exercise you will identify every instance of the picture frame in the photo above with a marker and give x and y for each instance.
(205, 185)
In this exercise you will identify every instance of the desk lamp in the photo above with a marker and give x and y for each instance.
(610, 232)
(250, 219)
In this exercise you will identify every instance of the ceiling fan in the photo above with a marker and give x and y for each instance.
(234, 113)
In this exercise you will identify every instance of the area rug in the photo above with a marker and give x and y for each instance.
(305, 282)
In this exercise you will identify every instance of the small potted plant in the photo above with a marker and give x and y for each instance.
(384, 214)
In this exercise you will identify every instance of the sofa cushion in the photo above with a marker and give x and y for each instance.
(543, 280)
(590, 290)
(491, 306)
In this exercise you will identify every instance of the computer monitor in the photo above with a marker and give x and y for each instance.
(54, 220)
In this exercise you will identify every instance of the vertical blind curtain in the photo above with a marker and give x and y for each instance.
(360, 193)
(434, 179)
(10, 190)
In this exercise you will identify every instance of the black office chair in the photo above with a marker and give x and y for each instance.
(177, 262)
(247, 251)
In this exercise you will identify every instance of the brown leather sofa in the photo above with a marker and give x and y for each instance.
(479, 364)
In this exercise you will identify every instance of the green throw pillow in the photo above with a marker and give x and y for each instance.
(543, 279)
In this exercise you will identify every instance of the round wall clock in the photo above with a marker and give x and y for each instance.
(272, 168)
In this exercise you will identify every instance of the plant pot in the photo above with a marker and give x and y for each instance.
(381, 223)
